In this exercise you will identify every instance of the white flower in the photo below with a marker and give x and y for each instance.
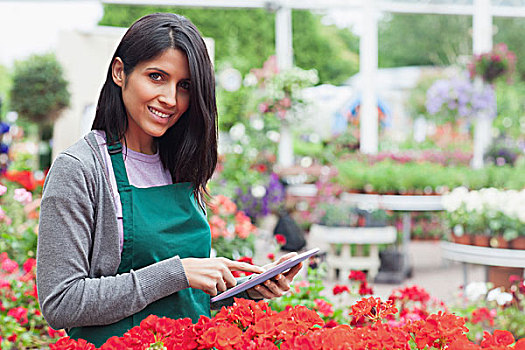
(237, 131)
(258, 191)
(474, 290)
(250, 80)
(257, 123)
(500, 297)
(274, 136)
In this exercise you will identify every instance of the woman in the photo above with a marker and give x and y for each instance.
(123, 232)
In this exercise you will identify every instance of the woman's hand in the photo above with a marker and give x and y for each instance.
(213, 275)
(277, 286)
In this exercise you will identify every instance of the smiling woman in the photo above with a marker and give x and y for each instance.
(123, 232)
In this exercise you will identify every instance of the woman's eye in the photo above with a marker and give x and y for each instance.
(155, 76)
(185, 85)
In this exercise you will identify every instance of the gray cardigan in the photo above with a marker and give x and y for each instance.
(78, 249)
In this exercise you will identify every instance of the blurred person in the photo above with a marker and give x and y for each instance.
(123, 231)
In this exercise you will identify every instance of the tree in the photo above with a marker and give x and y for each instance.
(414, 39)
(39, 91)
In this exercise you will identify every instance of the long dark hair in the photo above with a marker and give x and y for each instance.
(189, 148)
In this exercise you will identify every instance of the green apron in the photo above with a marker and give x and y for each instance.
(159, 223)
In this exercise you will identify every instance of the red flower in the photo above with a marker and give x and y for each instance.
(271, 256)
(364, 289)
(482, 314)
(499, 338)
(339, 289)
(281, 240)
(357, 275)
(29, 265)
(70, 344)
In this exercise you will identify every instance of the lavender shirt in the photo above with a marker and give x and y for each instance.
(144, 170)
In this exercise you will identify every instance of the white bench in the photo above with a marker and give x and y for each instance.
(337, 241)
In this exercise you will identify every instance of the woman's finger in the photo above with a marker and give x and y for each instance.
(221, 286)
(282, 282)
(273, 288)
(286, 257)
(293, 271)
(240, 266)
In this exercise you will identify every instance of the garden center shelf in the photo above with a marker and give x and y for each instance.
(394, 202)
(469, 254)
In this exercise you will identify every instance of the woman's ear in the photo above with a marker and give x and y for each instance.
(117, 71)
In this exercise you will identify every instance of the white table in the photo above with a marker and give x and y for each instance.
(338, 240)
(469, 254)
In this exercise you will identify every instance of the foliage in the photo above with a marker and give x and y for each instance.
(245, 169)
(511, 104)
(494, 64)
(508, 31)
(23, 326)
(244, 45)
(389, 176)
(39, 91)
(5, 87)
(415, 39)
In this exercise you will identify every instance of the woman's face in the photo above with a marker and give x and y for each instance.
(155, 95)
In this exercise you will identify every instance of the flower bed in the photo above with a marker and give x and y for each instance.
(251, 325)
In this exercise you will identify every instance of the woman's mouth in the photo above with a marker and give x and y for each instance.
(159, 113)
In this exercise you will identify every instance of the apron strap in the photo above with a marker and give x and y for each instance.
(115, 153)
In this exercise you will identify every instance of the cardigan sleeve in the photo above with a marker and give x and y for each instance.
(69, 294)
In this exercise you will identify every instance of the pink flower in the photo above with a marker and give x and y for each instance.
(23, 196)
(3, 189)
(9, 265)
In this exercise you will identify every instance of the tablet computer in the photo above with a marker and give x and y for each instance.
(261, 278)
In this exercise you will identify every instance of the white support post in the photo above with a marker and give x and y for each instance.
(482, 42)
(368, 69)
(284, 53)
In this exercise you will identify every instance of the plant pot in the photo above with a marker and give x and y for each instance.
(499, 275)
(499, 242)
(518, 243)
(481, 240)
(463, 239)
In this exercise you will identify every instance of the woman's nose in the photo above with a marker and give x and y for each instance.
(169, 95)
